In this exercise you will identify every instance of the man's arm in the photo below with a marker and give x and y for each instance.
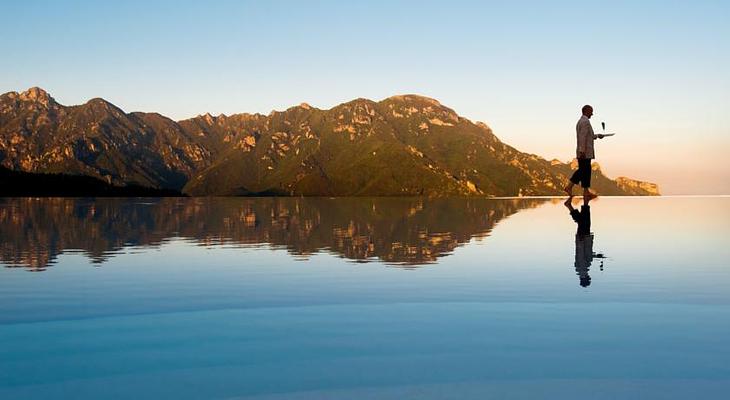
(595, 136)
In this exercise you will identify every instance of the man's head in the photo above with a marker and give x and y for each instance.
(587, 110)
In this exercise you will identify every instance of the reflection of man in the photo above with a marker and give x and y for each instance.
(583, 240)
(584, 153)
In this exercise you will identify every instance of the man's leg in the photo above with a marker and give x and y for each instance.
(574, 179)
(585, 181)
(569, 189)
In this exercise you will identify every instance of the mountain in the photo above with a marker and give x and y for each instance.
(96, 139)
(403, 145)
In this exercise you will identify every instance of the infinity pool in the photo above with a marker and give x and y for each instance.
(364, 298)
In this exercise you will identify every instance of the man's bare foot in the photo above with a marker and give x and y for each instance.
(589, 195)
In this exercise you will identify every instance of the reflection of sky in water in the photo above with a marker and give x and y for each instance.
(502, 314)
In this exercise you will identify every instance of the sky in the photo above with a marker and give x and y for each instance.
(657, 72)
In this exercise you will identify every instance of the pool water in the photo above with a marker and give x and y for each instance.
(364, 298)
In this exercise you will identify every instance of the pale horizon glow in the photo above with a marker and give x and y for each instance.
(655, 72)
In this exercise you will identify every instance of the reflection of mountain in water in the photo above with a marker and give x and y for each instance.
(406, 231)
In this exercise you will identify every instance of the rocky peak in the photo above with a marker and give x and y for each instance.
(9, 95)
(99, 105)
(483, 126)
(414, 98)
(555, 161)
(38, 95)
(358, 102)
(411, 104)
(208, 118)
(633, 185)
(302, 107)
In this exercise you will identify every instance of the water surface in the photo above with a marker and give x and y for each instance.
(364, 298)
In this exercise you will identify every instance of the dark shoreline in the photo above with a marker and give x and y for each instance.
(28, 184)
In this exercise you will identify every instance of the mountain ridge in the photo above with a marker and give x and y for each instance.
(401, 145)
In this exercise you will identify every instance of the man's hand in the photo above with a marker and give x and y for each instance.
(582, 154)
(600, 136)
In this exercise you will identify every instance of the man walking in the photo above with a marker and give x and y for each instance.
(584, 153)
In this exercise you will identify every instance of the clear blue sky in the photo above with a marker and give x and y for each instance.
(655, 71)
